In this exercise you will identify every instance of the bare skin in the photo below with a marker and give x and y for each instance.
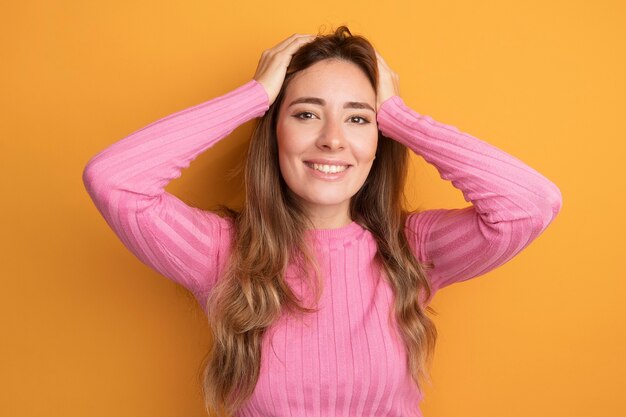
(273, 64)
(388, 82)
(331, 133)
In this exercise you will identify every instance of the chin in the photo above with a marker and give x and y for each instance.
(328, 200)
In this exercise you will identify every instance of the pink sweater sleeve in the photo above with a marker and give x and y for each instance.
(126, 182)
(512, 204)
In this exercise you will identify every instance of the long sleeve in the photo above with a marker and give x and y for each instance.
(127, 180)
(511, 203)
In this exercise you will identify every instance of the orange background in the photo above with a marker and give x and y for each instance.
(88, 330)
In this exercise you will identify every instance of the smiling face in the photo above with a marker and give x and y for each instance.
(327, 138)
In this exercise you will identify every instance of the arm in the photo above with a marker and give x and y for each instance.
(512, 204)
(126, 182)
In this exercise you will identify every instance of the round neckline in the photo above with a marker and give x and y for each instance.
(350, 229)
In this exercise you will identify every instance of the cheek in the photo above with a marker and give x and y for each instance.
(287, 138)
(282, 141)
(365, 150)
(288, 152)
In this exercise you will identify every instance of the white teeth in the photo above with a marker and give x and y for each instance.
(332, 169)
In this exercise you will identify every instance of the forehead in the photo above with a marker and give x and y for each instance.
(332, 78)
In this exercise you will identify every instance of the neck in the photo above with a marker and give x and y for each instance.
(329, 217)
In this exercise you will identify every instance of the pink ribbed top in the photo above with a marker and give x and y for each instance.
(347, 359)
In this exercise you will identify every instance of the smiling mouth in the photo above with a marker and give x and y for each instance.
(327, 169)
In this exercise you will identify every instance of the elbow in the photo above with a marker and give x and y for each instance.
(95, 181)
(89, 176)
(554, 200)
(540, 213)
(557, 202)
(548, 207)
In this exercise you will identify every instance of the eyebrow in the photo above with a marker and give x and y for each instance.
(322, 102)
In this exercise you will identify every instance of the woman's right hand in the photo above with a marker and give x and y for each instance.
(388, 82)
(273, 64)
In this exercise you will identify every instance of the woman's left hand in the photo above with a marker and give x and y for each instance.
(388, 82)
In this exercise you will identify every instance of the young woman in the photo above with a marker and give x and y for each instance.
(317, 290)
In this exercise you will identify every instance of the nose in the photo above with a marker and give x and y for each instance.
(331, 136)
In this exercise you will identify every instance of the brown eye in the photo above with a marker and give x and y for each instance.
(304, 115)
(359, 120)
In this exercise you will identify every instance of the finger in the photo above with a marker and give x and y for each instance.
(283, 56)
(379, 57)
(286, 42)
(296, 43)
(290, 45)
(381, 60)
(274, 56)
(279, 46)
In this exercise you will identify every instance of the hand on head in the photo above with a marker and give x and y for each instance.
(273, 64)
(272, 68)
(388, 82)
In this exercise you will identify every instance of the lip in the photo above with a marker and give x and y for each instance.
(327, 176)
(325, 161)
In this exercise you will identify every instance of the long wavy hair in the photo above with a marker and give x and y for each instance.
(269, 235)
